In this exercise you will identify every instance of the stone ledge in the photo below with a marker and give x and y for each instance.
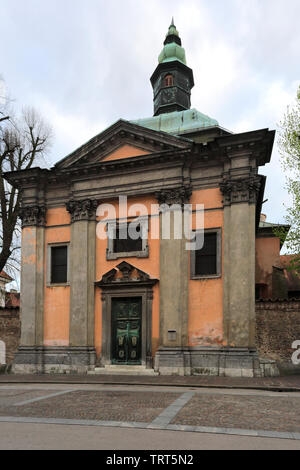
(52, 359)
(223, 361)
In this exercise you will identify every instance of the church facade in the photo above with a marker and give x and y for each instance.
(92, 302)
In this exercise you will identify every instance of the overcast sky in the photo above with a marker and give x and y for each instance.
(85, 64)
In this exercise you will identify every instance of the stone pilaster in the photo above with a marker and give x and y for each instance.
(174, 275)
(82, 272)
(32, 284)
(240, 196)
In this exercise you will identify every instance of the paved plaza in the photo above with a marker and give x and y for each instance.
(212, 412)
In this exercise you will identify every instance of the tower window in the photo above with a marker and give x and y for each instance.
(168, 80)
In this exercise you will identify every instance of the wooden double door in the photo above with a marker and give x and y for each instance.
(126, 317)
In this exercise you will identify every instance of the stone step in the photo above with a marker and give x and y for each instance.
(122, 370)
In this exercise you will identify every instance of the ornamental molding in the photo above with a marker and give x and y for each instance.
(33, 216)
(82, 210)
(125, 275)
(240, 190)
(174, 195)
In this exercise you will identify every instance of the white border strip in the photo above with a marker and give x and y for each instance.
(171, 411)
(44, 397)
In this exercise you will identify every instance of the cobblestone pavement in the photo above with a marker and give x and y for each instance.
(246, 412)
(223, 411)
(94, 405)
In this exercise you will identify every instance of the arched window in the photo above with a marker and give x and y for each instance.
(168, 80)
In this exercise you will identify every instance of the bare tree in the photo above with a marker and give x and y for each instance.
(23, 142)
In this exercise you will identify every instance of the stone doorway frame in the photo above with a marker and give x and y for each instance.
(113, 287)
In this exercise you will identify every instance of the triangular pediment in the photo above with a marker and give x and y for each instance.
(125, 273)
(122, 140)
(125, 151)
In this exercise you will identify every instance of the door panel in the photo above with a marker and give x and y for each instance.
(126, 330)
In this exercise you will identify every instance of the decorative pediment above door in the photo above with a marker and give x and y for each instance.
(127, 296)
(125, 274)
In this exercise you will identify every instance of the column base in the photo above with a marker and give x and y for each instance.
(173, 361)
(223, 362)
(54, 360)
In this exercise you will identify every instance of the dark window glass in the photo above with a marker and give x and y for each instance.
(294, 294)
(257, 291)
(123, 243)
(59, 264)
(206, 258)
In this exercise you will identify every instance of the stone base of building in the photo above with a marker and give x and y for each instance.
(54, 360)
(223, 362)
(288, 368)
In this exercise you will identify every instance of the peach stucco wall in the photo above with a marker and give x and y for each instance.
(57, 299)
(205, 296)
(205, 325)
(149, 265)
(125, 151)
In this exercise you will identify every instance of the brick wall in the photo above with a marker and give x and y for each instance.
(10, 330)
(277, 326)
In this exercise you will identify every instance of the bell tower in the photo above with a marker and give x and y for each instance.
(172, 79)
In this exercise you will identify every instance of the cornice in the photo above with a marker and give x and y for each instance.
(40, 177)
(258, 144)
(33, 177)
(123, 164)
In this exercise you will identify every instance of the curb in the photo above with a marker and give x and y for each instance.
(272, 388)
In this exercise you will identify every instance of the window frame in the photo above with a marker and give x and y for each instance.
(168, 77)
(49, 264)
(111, 229)
(218, 274)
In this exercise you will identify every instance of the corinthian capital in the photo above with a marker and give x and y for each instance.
(240, 190)
(33, 216)
(82, 210)
(174, 195)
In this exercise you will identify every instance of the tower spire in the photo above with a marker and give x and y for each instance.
(172, 34)
(172, 80)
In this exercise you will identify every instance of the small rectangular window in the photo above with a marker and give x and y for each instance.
(59, 264)
(127, 239)
(123, 243)
(206, 257)
(206, 262)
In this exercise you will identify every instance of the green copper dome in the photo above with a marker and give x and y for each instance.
(172, 52)
(172, 47)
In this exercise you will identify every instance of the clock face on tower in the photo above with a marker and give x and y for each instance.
(168, 95)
